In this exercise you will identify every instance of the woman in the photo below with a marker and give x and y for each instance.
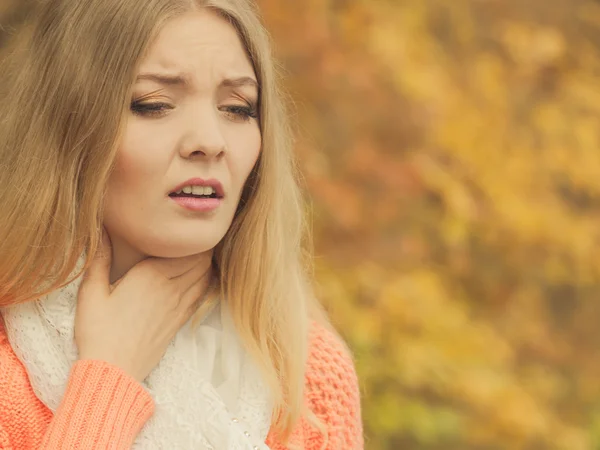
(188, 323)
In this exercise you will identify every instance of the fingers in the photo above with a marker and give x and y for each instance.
(98, 273)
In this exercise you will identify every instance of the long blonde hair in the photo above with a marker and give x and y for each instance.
(65, 90)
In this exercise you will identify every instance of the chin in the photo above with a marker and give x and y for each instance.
(181, 246)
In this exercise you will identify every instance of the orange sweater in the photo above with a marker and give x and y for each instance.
(105, 408)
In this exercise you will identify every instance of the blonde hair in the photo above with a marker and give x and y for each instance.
(66, 91)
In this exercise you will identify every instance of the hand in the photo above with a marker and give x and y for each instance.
(131, 323)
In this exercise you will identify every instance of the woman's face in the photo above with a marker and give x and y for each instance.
(193, 125)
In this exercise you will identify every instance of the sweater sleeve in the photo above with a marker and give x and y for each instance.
(4, 440)
(333, 394)
(103, 408)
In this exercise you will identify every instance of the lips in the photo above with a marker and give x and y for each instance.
(198, 204)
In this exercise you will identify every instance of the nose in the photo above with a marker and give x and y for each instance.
(203, 137)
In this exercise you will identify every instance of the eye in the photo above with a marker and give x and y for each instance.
(150, 109)
(240, 112)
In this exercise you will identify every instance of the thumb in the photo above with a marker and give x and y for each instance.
(98, 273)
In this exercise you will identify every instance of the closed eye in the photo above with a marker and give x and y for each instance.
(150, 109)
(240, 112)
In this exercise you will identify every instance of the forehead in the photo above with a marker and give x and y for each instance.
(198, 42)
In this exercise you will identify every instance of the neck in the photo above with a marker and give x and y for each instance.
(124, 257)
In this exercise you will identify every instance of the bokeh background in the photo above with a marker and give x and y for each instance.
(450, 149)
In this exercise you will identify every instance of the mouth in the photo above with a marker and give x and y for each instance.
(198, 188)
(199, 196)
(194, 194)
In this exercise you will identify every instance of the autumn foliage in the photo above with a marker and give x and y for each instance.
(450, 150)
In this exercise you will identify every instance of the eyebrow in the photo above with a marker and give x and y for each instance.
(184, 80)
(239, 82)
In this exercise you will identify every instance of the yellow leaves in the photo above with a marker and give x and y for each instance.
(487, 74)
(589, 12)
(398, 40)
(428, 425)
(347, 208)
(586, 135)
(388, 414)
(550, 120)
(582, 90)
(462, 208)
(542, 382)
(533, 46)
(418, 298)
(520, 414)
(458, 211)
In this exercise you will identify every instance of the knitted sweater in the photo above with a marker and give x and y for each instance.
(105, 408)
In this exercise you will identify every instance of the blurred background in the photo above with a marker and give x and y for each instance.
(450, 149)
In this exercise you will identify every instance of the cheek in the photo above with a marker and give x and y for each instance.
(246, 148)
(124, 189)
(139, 162)
(132, 190)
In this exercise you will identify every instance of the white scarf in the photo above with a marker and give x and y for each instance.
(208, 394)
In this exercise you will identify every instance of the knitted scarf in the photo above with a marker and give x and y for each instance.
(208, 394)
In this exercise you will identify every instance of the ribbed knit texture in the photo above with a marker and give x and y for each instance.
(105, 408)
